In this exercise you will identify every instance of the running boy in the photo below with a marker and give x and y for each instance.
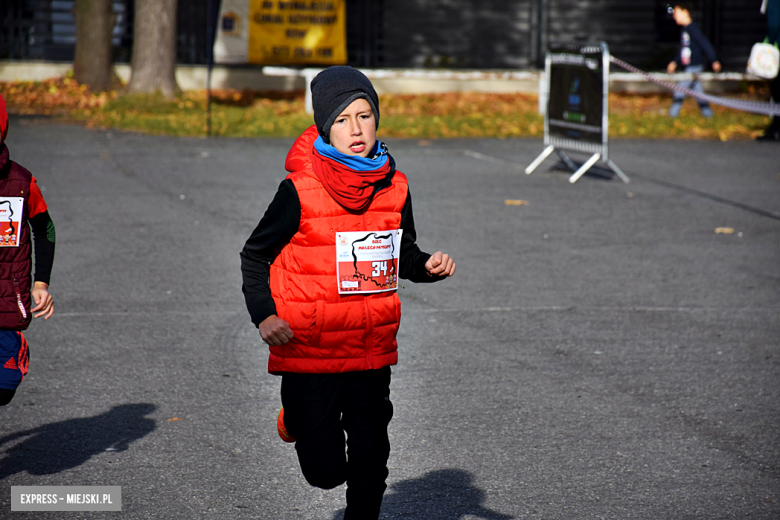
(334, 241)
(21, 207)
(693, 47)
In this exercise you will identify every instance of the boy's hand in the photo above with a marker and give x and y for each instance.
(440, 264)
(45, 303)
(275, 331)
(716, 66)
(673, 66)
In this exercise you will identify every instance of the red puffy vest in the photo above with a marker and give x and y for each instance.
(333, 332)
(16, 262)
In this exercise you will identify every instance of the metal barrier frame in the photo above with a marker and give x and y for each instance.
(559, 144)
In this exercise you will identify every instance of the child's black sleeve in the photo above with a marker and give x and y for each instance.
(702, 42)
(274, 231)
(44, 237)
(413, 260)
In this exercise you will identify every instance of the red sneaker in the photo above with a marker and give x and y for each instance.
(286, 437)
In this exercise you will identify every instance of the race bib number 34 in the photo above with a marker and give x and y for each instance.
(367, 261)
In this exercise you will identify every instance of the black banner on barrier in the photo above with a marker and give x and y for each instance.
(575, 107)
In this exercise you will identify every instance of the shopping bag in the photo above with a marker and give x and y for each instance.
(764, 60)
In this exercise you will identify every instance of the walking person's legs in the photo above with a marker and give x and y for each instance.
(677, 101)
(695, 85)
(691, 84)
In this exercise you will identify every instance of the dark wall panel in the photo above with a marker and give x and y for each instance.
(627, 27)
(742, 25)
(458, 33)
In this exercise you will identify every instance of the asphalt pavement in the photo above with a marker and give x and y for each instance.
(601, 351)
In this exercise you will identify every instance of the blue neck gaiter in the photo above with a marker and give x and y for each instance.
(375, 160)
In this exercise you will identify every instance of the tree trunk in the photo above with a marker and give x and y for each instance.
(154, 48)
(92, 65)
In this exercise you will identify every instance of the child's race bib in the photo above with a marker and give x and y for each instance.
(685, 56)
(10, 220)
(367, 261)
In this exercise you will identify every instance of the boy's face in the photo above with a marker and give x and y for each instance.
(681, 16)
(354, 130)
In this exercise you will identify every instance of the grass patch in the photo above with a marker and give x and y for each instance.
(233, 114)
(426, 116)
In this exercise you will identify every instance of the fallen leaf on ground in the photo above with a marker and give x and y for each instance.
(515, 202)
(174, 419)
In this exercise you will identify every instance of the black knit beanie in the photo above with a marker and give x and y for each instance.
(333, 89)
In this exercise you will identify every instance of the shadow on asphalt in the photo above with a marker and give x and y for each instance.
(594, 172)
(63, 445)
(446, 494)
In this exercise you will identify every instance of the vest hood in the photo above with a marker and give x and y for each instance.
(299, 156)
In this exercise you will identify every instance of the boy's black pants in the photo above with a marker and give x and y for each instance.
(319, 409)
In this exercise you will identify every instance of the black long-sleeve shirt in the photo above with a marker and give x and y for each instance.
(43, 239)
(697, 45)
(278, 226)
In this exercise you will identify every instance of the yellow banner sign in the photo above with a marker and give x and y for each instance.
(285, 32)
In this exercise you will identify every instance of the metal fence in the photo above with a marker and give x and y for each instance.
(46, 30)
(475, 34)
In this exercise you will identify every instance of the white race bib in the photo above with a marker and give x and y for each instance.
(367, 261)
(10, 220)
(685, 56)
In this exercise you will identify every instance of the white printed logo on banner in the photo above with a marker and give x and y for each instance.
(367, 261)
(232, 40)
(10, 220)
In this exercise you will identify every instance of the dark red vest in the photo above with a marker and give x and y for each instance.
(15, 262)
